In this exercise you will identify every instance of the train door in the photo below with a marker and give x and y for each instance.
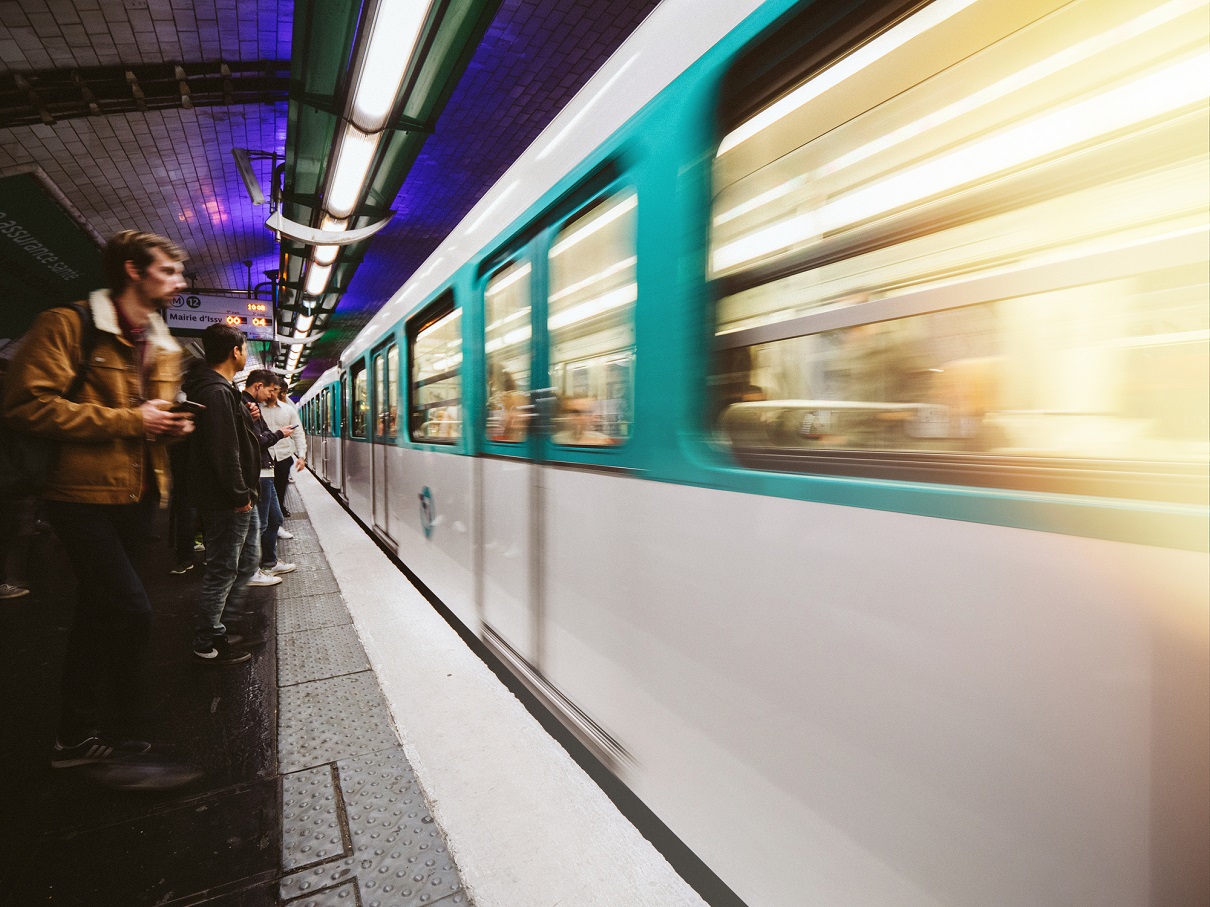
(342, 428)
(325, 440)
(509, 594)
(385, 428)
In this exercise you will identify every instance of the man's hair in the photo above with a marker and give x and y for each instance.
(219, 340)
(132, 245)
(261, 376)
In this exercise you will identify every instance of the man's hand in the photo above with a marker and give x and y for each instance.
(299, 463)
(287, 431)
(245, 508)
(255, 410)
(158, 422)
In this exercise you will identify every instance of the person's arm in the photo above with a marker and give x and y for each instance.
(42, 373)
(299, 437)
(220, 444)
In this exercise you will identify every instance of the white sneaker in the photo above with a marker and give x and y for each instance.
(278, 568)
(284, 533)
(261, 578)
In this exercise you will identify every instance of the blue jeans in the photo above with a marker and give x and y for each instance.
(270, 521)
(232, 556)
(111, 625)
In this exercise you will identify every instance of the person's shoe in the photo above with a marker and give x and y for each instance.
(261, 578)
(285, 512)
(249, 641)
(143, 773)
(284, 533)
(181, 568)
(199, 546)
(96, 749)
(279, 568)
(8, 590)
(221, 652)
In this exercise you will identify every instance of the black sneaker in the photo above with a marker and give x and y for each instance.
(221, 653)
(183, 567)
(96, 749)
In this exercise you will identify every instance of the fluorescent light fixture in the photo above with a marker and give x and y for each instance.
(324, 255)
(498, 286)
(317, 278)
(393, 35)
(932, 15)
(571, 289)
(1153, 95)
(302, 325)
(595, 306)
(594, 225)
(349, 173)
(243, 163)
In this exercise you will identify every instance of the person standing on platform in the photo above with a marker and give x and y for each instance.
(224, 481)
(258, 390)
(288, 453)
(111, 427)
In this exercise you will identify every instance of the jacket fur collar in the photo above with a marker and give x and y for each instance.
(105, 317)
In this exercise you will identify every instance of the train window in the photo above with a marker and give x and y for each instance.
(360, 404)
(984, 263)
(590, 322)
(507, 351)
(435, 354)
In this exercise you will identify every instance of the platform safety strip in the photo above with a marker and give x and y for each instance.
(355, 825)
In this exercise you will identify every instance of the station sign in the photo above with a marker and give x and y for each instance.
(195, 312)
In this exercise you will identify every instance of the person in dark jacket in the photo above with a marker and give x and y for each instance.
(259, 389)
(224, 471)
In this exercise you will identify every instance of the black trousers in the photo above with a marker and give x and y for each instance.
(107, 650)
(281, 479)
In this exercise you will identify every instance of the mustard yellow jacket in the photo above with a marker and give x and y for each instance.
(101, 457)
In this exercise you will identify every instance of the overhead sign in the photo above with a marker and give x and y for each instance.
(196, 312)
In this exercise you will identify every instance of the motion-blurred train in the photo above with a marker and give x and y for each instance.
(815, 419)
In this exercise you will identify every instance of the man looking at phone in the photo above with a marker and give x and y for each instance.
(224, 472)
(97, 379)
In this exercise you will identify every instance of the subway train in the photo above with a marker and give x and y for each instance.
(815, 420)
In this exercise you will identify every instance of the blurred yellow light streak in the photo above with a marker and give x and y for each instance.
(1157, 93)
(594, 225)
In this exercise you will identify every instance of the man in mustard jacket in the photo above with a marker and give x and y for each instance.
(110, 471)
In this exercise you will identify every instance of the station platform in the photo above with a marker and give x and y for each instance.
(365, 756)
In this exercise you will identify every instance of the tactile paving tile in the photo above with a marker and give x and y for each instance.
(301, 547)
(311, 578)
(316, 654)
(311, 822)
(340, 896)
(294, 501)
(399, 854)
(326, 720)
(311, 612)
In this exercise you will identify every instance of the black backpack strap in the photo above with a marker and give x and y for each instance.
(88, 343)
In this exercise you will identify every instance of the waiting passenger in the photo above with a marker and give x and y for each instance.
(259, 389)
(111, 426)
(578, 419)
(224, 480)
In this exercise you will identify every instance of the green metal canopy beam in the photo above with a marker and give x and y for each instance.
(326, 33)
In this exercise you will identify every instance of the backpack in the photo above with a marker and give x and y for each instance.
(26, 461)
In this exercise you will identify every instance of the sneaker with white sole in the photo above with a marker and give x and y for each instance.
(279, 568)
(222, 652)
(8, 590)
(284, 533)
(261, 578)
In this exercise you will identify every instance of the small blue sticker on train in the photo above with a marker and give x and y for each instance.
(427, 512)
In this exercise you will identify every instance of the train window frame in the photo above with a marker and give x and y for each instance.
(434, 314)
(603, 193)
(1178, 478)
(523, 258)
(358, 375)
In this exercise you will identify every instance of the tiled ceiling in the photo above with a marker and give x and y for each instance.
(171, 170)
